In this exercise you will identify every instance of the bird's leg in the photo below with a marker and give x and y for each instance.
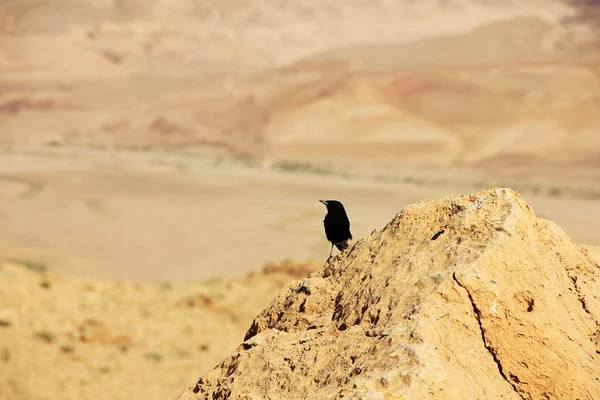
(330, 251)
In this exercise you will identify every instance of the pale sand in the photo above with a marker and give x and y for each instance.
(154, 216)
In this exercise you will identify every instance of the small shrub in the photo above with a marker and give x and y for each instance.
(6, 355)
(554, 192)
(45, 284)
(204, 347)
(67, 348)
(298, 166)
(154, 355)
(45, 335)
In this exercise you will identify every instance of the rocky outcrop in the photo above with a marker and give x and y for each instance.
(468, 297)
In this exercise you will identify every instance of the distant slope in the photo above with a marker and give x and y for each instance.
(75, 338)
(443, 102)
(502, 86)
(172, 37)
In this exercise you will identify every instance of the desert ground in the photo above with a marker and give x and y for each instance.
(74, 338)
(149, 149)
(139, 216)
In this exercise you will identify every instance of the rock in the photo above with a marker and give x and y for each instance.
(468, 297)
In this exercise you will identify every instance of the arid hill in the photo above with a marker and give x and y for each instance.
(108, 38)
(87, 339)
(507, 87)
(456, 298)
(130, 130)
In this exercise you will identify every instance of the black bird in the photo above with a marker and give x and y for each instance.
(337, 225)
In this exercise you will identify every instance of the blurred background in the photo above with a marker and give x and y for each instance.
(161, 161)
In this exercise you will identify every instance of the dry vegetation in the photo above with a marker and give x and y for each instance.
(181, 141)
(94, 339)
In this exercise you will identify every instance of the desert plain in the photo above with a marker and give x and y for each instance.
(161, 162)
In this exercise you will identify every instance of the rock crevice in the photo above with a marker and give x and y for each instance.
(477, 314)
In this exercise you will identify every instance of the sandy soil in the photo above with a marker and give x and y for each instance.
(181, 141)
(508, 87)
(78, 338)
(139, 216)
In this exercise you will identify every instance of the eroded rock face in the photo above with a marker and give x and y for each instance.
(468, 297)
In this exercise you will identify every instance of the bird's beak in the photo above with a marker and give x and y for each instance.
(323, 201)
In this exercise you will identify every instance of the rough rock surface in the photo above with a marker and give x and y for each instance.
(468, 297)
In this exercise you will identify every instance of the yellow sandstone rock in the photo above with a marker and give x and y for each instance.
(468, 297)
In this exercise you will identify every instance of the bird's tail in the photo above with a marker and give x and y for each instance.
(341, 246)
